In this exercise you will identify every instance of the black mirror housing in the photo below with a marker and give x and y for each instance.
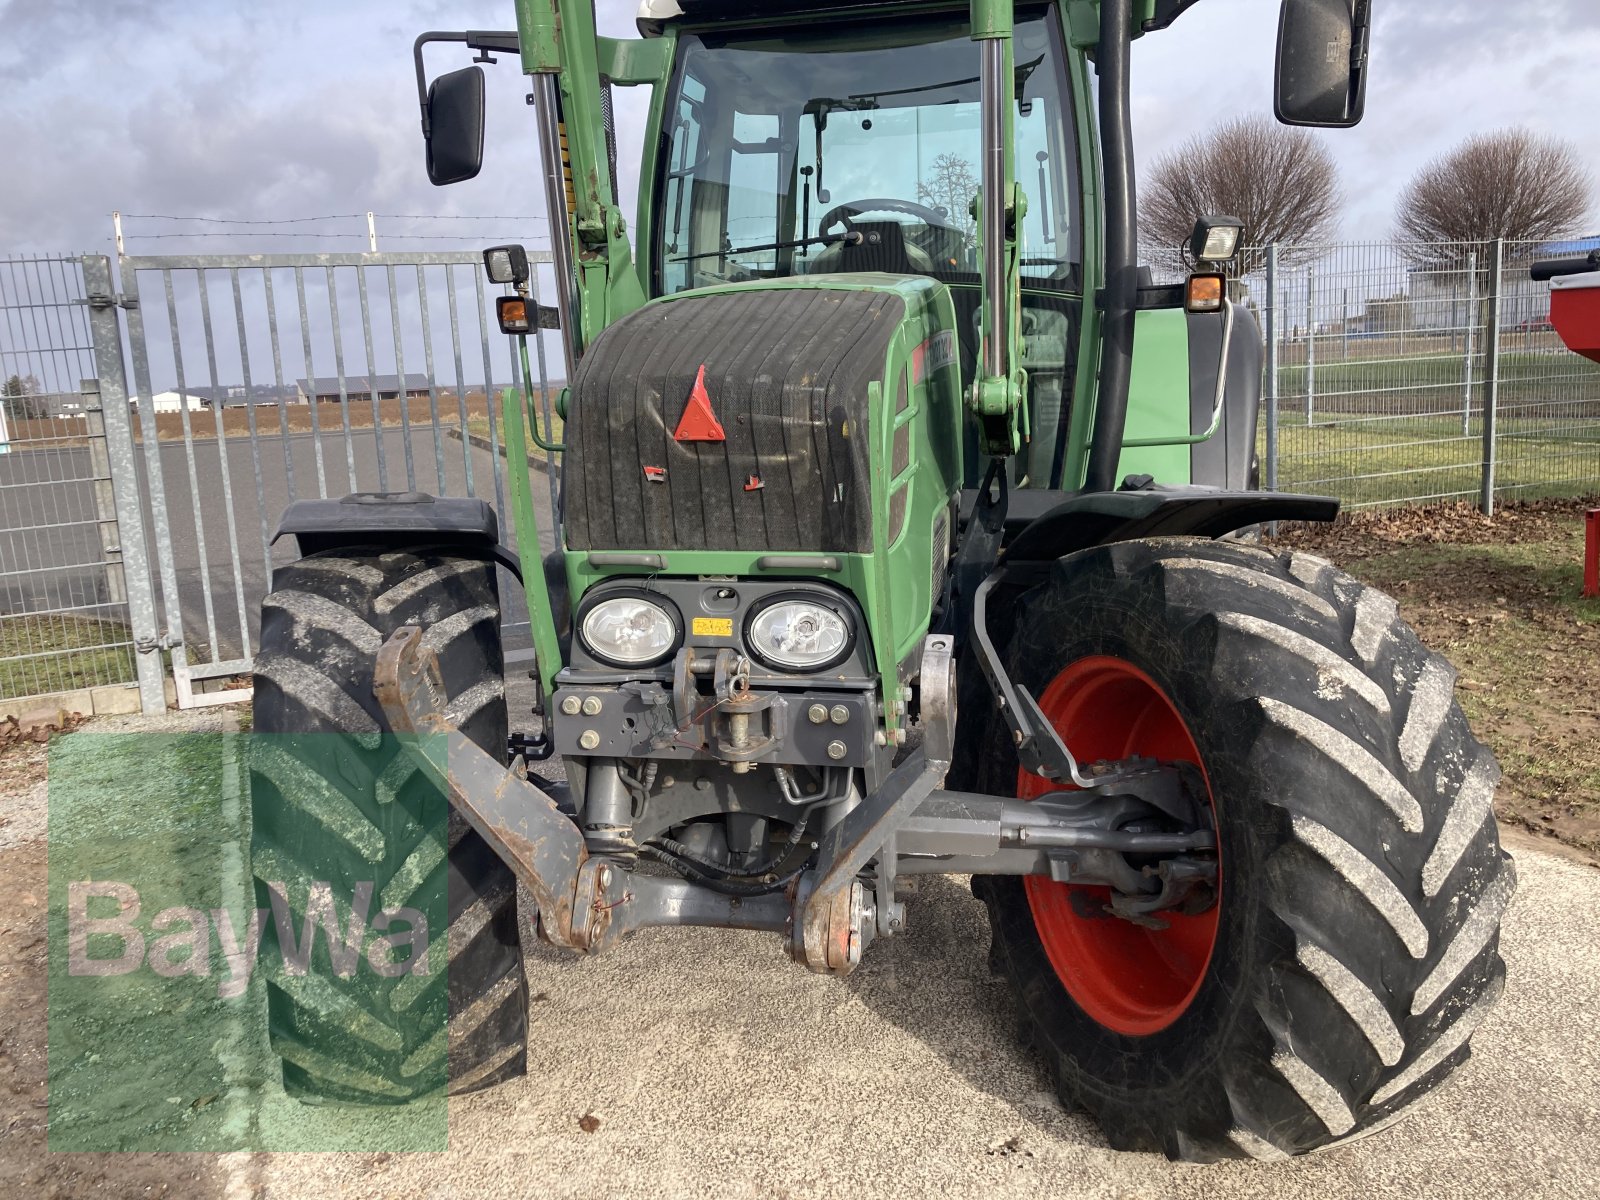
(454, 128)
(1321, 76)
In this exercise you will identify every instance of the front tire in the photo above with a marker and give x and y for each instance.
(1354, 947)
(338, 805)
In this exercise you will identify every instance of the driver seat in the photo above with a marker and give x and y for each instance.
(884, 249)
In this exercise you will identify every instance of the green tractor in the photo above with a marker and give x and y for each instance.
(904, 529)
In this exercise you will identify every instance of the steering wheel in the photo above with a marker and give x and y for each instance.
(840, 214)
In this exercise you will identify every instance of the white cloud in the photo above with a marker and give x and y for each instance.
(303, 108)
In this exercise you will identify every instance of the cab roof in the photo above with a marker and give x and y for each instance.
(1148, 15)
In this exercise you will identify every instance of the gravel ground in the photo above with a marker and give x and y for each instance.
(715, 1066)
(691, 1062)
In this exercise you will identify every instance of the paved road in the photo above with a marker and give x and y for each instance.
(50, 488)
(49, 541)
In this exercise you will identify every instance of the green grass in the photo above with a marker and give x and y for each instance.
(1363, 448)
(1510, 616)
(479, 426)
(1432, 370)
(65, 653)
(1367, 461)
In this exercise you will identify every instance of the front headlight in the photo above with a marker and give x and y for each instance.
(798, 635)
(629, 631)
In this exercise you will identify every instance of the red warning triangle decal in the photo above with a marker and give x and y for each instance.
(699, 423)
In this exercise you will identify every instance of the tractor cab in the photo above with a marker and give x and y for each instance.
(850, 146)
(777, 152)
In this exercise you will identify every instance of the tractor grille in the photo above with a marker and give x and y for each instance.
(787, 373)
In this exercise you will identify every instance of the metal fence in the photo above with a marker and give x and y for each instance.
(181, 403)
(64, 615)
(286, 377)
(170, 407)
(1403, 373)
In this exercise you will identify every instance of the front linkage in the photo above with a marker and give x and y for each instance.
(831, 911)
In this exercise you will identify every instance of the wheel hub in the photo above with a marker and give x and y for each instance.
(1128, 969)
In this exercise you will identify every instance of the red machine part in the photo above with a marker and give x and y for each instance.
(1575, 312)
(1591, 552)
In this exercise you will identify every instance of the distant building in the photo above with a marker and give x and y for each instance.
(59, 404)
(1571, 249)
(171, 402)
(236, 395)
(43, 406)
(1441, 295)
(388, 387)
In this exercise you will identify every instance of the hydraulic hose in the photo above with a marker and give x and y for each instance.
(1120, 292)
(771, 876)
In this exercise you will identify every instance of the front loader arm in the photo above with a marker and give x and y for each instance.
(560, 45)
(1000, 384)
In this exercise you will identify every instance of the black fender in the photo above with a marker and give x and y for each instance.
(1097, 518)
(1043, 526)
(1225, 459)
(399, 519)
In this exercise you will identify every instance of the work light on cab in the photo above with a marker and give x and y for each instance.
(629, 631)
(1216, 239)
(506, 264)
(798, 635)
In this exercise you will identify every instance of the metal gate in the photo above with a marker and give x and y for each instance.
(262, 379)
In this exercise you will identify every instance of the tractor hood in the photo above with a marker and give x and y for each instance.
(735, 419)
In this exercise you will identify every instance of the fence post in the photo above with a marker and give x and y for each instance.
(106, 334)
(1311, 347)
(1272, 368)
(105, 505)
(1472, 322)
(1491, 389)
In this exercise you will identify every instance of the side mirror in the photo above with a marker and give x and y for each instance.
(453, 127)
(1322, 62)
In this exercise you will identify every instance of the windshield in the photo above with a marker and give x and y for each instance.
(856, 149)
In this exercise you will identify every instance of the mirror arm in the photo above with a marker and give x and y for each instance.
(483, 41)
(1166, 12)
(1360, 38)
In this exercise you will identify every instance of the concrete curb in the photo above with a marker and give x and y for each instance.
(107, 700)
(482, 443)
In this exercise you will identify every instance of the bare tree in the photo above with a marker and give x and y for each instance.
(22, 399)
(1509, 184)
(1280, 181)
(950, 187)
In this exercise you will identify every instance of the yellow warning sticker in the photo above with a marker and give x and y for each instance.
(712, 626)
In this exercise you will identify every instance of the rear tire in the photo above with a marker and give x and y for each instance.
(1362, 881)
(346, 806)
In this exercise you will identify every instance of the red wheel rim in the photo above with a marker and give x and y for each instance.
(1133, 980)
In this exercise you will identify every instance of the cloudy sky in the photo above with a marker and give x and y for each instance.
(295, 109)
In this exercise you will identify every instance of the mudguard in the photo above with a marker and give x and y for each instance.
(1096, 518)
(396, 519)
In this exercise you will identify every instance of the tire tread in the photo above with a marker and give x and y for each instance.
(1384, 884)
